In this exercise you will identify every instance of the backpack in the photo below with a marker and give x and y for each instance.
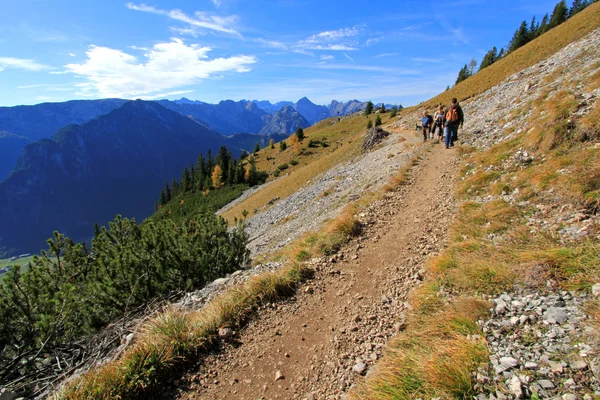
(452, 115)
(439, 117)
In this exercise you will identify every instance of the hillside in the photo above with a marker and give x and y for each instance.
(86, 174)
(488, 250)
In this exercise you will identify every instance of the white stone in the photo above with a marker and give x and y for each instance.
(555, 315)
(515, 387)
(596, 290)
(508, 362)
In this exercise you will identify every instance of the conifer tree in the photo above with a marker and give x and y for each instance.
(244, 154)
(256, 149)
(394, 111)
(200, 172)
(185, 180)
(489, 58)
(378, 121)
(282, 145)
(209, 164)
(272, 143)
(369, 108)
(369, 124)
(472, 65)
(520, 38)
(223, 159)
(543, 26)
(462, 74)
(577, 6)
(300, 133)
(559, 15)
(383, 110)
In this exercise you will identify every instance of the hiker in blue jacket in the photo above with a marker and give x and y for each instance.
(427, 122)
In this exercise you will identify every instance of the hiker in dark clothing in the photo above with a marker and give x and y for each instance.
(426, 121)
(454, 119)
(438, 123)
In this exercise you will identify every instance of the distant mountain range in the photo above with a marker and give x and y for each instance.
(86, 174)
(228, 117)
(67, 166)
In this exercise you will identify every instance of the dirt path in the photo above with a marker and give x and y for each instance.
(319, 343)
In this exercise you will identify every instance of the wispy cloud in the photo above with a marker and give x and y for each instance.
(217, 3)
(326, 57)
(72, 55)
(372, 41)
(49, 87)
(427, 60)
(114, 73)
(20, 63)
(386, 55)
(338, 40)
(200, 19)
(165, 95)
(271, 44)
(349, 58)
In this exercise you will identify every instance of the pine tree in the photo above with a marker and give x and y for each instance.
(244, 154)
(489, 58)
(300, 133)
(500, 54)
(272, 143)
(256, 148)
(378, 121)
(383, 110)
(200, 173)
(394, 111)
(223, 159)
(559, 15)
(533, 27)
(185, 180)
(520, 38)
(282, 145)
(577, 6)
(369, 124)
(369, 108)
(462, 74)
(543, 26)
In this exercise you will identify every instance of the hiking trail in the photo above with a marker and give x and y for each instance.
(320, 342)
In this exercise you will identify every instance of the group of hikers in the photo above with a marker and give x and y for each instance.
(444, 121)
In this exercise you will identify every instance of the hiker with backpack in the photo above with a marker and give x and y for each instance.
(439, 117)
(454, 119)
(426, 121)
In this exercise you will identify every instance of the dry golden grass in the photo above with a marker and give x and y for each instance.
(412, 367)
(343, 138)
(175, 338)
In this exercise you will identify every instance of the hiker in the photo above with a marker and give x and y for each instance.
(454, 119)
(438, 118)
(426, 121)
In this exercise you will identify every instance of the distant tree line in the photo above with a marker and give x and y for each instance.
(71, 291)
(525, 33)
(213, 174)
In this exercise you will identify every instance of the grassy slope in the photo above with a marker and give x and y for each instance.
(472, 265)
(344, 139)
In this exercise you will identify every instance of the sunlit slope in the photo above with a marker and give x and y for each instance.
(343, 139)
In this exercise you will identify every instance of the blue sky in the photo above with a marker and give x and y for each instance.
(399, 52)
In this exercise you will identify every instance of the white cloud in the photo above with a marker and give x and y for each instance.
(326, 57)
(339, 40)
(20, 63)
(271, 44)
(114, 73)
(386, 55)
(349, 58)
(217, 3)
(200, 20)
(72, 55)
(373, 41)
